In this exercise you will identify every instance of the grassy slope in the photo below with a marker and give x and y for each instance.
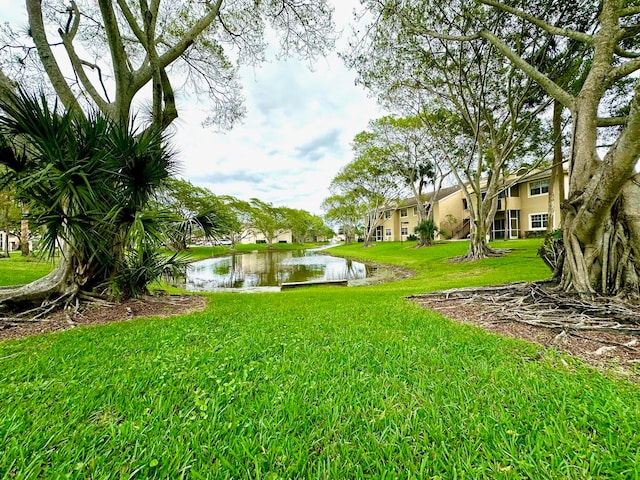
(324, 382)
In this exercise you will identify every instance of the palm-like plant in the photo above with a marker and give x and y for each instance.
(89, 180)
(426, 231)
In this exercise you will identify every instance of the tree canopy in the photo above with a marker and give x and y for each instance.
(102, 58)
(116, 50)
(369, 181)
(496, 106)
(90, 182)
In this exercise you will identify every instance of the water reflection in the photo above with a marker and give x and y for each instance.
(268, 269)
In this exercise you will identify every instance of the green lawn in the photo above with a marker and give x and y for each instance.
(316, 383)
(17, 270)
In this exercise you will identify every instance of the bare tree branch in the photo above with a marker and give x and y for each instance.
(563, 32)
(49, 62)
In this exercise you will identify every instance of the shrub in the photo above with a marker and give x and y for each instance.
(426, 230)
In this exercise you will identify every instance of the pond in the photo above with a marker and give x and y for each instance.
(267, 270)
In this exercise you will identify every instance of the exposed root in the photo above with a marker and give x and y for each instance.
(490, 253)
(539, 305)
(102, 312)
(38, 313)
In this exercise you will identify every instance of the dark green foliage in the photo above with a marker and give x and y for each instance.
(138, 269)
(197, 213)
(552, 252)
(426, 231)
(88, 180)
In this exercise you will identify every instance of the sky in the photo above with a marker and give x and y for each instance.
(296, 134)
(294, 138)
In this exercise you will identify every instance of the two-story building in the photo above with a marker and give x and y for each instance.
(522, 211)
(397, 222)
(523, 207)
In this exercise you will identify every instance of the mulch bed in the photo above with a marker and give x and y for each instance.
(151, 306)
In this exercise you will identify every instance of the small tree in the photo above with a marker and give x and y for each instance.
(369, 180)
(267, 219)
(407, 146)
(344, 213)
(237, 219)
(198, 212)
(304, 226)
(426, 231)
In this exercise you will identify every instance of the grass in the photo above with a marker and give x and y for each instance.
(18, 270)
(434, 270)
(317, 383)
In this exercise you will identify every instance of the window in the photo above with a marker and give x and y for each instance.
(387, 214)
(387, 233)
(415, 211)
(464, 204)
(539, 221)
(512, 191)
(538, 188)
(404, 231)
(403, 212)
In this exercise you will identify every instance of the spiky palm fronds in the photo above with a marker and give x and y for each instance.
(89, 179)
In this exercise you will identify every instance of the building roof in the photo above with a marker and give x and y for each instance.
(429, 196)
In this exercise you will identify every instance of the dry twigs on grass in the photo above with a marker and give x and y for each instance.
(537, 304)
(36, 314)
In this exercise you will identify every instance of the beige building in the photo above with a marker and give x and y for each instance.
(523, 208)
(397, 223)
(523, 211)
(254, 236)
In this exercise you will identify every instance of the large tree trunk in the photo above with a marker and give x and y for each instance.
(373, 223)
(557, 174)
(481, 222)
(66, 281)
(607, 263)
(59, 283)
(601, 224)
(478, 245)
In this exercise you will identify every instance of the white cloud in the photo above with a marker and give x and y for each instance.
(295, 137)
(13, 12)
